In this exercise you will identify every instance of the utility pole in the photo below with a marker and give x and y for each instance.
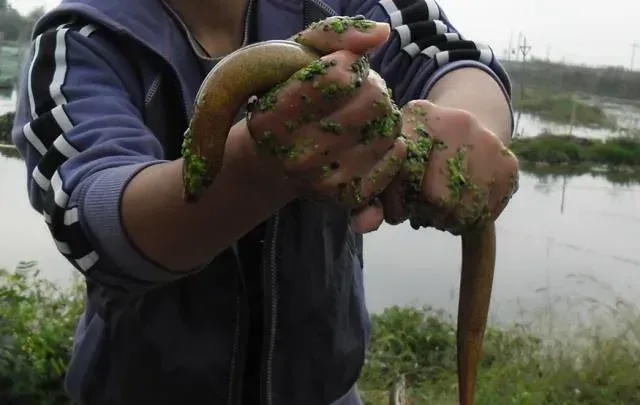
(510, 49)
(548, 51)
(524, 48)
(633, 53)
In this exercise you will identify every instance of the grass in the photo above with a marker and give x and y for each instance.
(548, 148)
(558, 107)
(6, 123)
(594, 363)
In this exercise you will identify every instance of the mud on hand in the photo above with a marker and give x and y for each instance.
(333, 127)
(457, 175)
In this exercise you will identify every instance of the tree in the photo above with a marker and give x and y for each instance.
(11, 22)
(13, 26)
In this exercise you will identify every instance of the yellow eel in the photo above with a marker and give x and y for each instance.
(257, 68)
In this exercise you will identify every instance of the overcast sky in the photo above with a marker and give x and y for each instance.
(587, 31)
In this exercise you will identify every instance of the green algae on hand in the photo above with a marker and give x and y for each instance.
(330, 91)
(361, 69)
(415, 164)
(381, 127)
(457, 178)
(351, 193)
(356, 187)
(477, 212)
(339, 25)
(331, 126)
(268, 142)
(266, 102)
(195, 166)
(315, 68)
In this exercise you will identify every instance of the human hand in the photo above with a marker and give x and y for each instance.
(333, 127)
(458, 175)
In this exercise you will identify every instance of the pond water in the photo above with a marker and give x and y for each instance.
(626, 117)
(557, 233)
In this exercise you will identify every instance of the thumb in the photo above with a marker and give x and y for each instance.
(355, 34)
(368, 218)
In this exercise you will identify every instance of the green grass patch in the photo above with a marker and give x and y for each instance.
(37, 322)
(594, 364)
(6, 124)
(573, 150)
(560, 107)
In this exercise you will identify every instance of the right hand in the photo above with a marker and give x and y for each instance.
(332, 126)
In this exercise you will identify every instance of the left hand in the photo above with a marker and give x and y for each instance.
(458, 175)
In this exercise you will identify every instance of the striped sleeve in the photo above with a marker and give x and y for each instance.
(423, 47)
(82, 137)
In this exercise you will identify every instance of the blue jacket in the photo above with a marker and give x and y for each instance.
(107, 90)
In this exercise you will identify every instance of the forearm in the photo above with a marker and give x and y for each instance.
(181, 236)
(475, 91)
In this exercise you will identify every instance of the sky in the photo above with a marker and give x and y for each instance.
(590, 32)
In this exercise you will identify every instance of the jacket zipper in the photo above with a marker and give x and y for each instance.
(270, 259)
(247, 22)
(272, 308)
(308, 19)
(270, 256)
(271, 283)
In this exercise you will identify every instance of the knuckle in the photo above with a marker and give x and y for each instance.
(338, 80)
(465, 120)
(342, 56)
(412, 105)
(418, 108)
(376, 79)
(376, 98)
(351, 66)
(509, 165)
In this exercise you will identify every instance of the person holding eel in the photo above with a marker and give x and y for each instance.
(251, 293)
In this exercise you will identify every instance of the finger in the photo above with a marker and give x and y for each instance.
(312, 92)
(355, 34)
(367, 125)
(393, 201)
(367, 219)
(501, 198)
(439, 120)
(355, 191)
(370, 161)
(502, 175)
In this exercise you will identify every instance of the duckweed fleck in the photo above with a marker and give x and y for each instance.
(341, 24)
(331, 126)
(457, 179)
(195, 167)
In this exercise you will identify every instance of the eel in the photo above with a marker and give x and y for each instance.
(257, 68)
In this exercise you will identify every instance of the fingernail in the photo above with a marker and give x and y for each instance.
(384, 26)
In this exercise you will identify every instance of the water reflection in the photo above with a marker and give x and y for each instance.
(626, 117)
(558, 231)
